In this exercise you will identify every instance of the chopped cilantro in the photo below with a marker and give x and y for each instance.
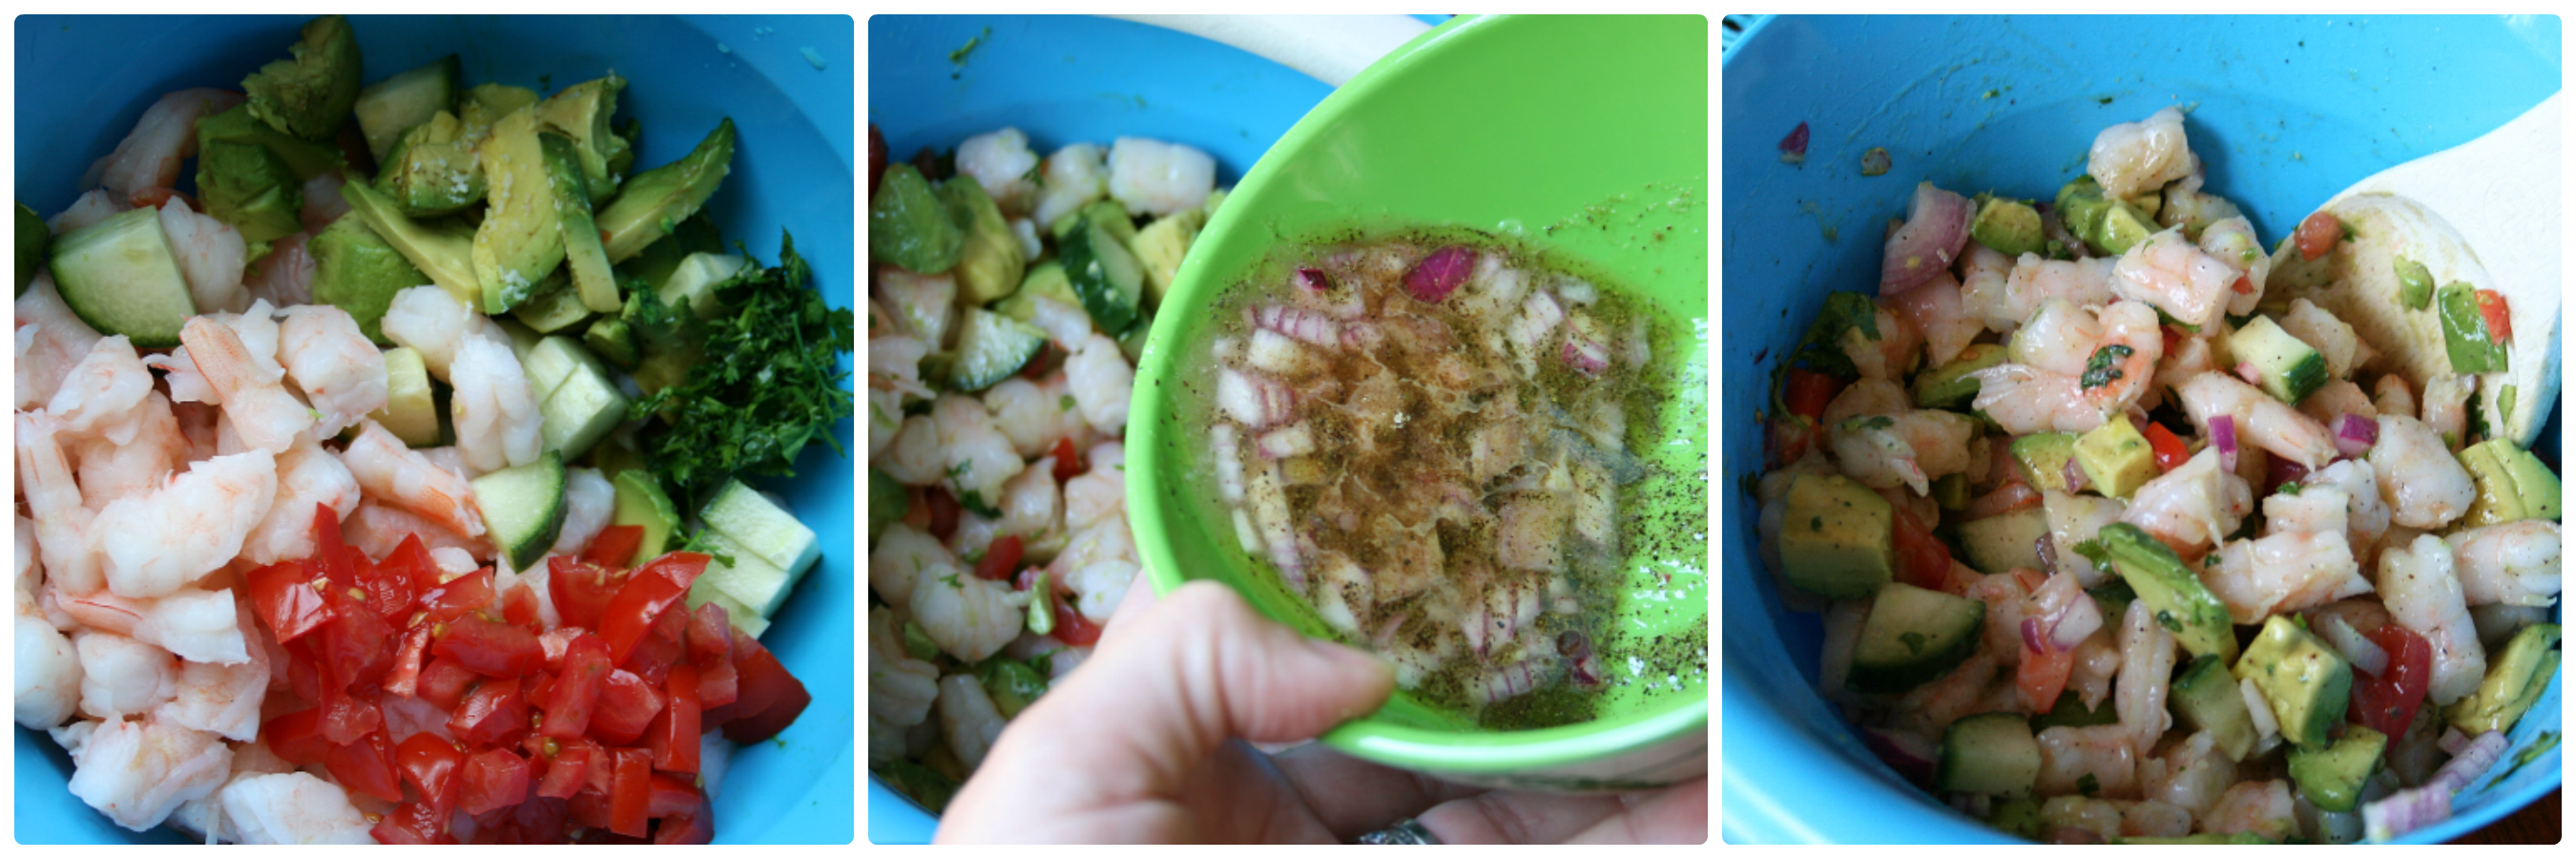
(2088, 785)
(1064, 403)
(2093, 550)
(2104, 367)
(2289, 489)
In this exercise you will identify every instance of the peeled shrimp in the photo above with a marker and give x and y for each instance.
(136, 773)
(110, 469)
(87, 210)
(2006, 295)
(2515, 563)
(154, 544)
(223, 699)
(1031, 502)
(2132, 158)
(2193, 506)
(1036, 415)
(967, 718)
(2230, 240)
(968, 616)
(285, 276)
(378, 528)
(2106, 752)
(100, 395)
(340, 372)
(1071, 178)
(2073, 368)
(195, 625)
(210, 255)
(2424, 486)
(431, 322)
(1097, 587)
(1157, 178)
(2191, 774)
(975, 458)
(2146, 668)
(1909, 449)
(2419, 585)
(246, 381)
(2446, 406)
(2261, 808)
(1000, 161)
(151, 154)
(388, 471)
(307, 475)
(2287, 570)
(2260, 420)
(63, 523)
(900, 688)
(51, 340)
(292, 808)
(2168, 271)
(1101, 382)
(497, 425)
(900, 557)
(121, 676)
(1937, 310)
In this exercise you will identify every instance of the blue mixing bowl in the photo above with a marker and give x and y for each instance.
(2285, 111)
(82, 83)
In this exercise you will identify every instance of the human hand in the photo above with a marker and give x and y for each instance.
(1147, 743)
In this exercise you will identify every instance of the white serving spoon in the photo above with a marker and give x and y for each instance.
(1328, 48)
(2485, 212)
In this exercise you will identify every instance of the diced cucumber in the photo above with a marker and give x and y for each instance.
(2070, 712)
(990, 348)
(583, 404)
(1104, 275)
(742, 513)
(1989, 753)
(2207, 698)
(750, 622)
(33, 235)
(120, 276)
(1998, 543)
(523, 506)
(2289, 367)
(1045, 280)
(392, 106)
(696, 278)
(410, 413)
(641, 502)
(557, 306)
(757, 585)
(1912, 637)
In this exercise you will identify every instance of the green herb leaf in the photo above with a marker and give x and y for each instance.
(2104, 367)
(2093, 550)
(2088, 785)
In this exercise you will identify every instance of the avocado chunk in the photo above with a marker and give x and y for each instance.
(358, 271)
(2290, 369)
(310, 95)
(555, 307)
(610, 338)
(584, 256)
(658, 198)
(654, 263)
(1998, 543)
(121, 276)
(641, 502)
(2307, 683)
(2512, 484)
(2070, 712)
(521, 238)
(2331, 777)
(2124, 225)
(1161, 246)
(2009, 226)
(431, 170)
(2515, 681)
(1950, 491)
(2081, 206)
(411, 412)
(442, 251)
(2116, 458)
(580, 112)
(1044, 280)
(2181, 603)
(389, 107)
(1948, 386)
(909, 226)
(2042, 459)
(990, 263)
(244, 181)
(1835, 537)
(486, 104)
(32, 236)
(2207, 698)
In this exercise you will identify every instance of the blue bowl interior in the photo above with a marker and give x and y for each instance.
(2285, 111)
(1066, 79)
(83, 82)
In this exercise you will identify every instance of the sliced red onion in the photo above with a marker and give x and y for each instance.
(1440, 273)
(2076, 479)
(2083, 617)
(2410, 810)
(1253, 400)
(1588, 357)
(1910, 755)
(1284, 442)
(2286, 470)
(2034, 635)
(2047, 548)
(1225, 449)
(2222, 435)
(2355, 647)
(2471, 761)
(1793, 148)
(1936, 227)
(1314, 279)
(1298, 322)
(2452, 742)
(2354, 434)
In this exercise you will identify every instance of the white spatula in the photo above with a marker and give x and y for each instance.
(2486, 213)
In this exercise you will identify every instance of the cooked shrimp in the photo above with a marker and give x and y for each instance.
(2336, 398)
(1036, 415)
(1890, 356)
(2030, 282)
(100, 395)
(1909, 449)
(222, 699)
(2146, 668)
(1071, 178)
(121, 676)
(285, 276)
(340, 372)
(2132, 158)
(2284, 571)
(63, 523)
(914, 456)
(433, 323)
(2446, 406)
(900, 688)
(110, 470)
(292, 808)
(2423, 593)
(2073, 368)
(378, 528)
(2231, 241)
(975, 458)
(1000, 161)
(198, 521)
(390, 472)
(307, 475)
(47, 685)
(1938, 311)
(497, 425)
(196, 625)
(51, 340)
(2192, 774)
(2261, 808)
(151, 154)
(2260, 420)
(210, 254)
(1151, 177)
(900, 557)
(2365, 515)
(1955, 695)
(967, 718)
(2193, 506)
(246, 381)
(968, 617)
(1101, 382)
(2423, 485)
(136, 773)
(1031, 503)
(1097, 587)
(89, 208)
(2105, 752)
(2178, 278)
(2515, 563)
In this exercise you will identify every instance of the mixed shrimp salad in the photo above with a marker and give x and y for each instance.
(2115, 542)
(317, 546)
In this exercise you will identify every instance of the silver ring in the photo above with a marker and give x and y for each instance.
(1406, 831)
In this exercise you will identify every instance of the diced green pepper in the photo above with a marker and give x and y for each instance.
(2464, 332)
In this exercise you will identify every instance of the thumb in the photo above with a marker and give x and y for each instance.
(1195, 669)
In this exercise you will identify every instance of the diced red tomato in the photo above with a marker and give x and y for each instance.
(490, 649)
(411, 559)
(459, 596)
(671, 796)
(356, 647)
(1068, 461)
(2499, 317)
(555, 641)
(2244, 285)
(366, 766)
(282, 596)
(331, 556)
(493, 778)
(576, 691)
(2043, 675)
(2318, 235)
(630, 803)
(389, 592)
(943, 511)
(1806, 392)
(297, 737)
(429, 765)
(568, 771)
(710, 634)
(404, 678)
(2387, 703)
(540, 820)
(626, 707)
(1921, 559)
(1001, 559)
(493, 713)
(413, 823)
(650, 592)
(589, 808)
(689, 828)
(769, 698)
(346, 717)
(444, 682)
(661, 647)
(615, 546)
(519, 607)
(673, 736)
(581, 590)
(2171, 453)
(1070, 626)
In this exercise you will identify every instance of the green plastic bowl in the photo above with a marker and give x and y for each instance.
(1583, 138)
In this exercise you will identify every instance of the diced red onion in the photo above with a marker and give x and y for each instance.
(2083, 617)
(1440, 273)
(2354, 434)
(1936, 227)
(1586, 356)
(2409, 810)
(1298, 322)
(1908, 754)
(2047, 548)
(2452, 742)
(2355, 647)
(2222, 435)
(2286, 470)
(1253, 400)
(1793, 148)
(1225, 449)
(1284, 442)
(1314, 279)
(2034, 635)
(2471, 761)
(2076, 479)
